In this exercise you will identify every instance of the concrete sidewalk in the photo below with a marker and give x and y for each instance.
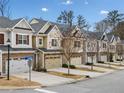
(77, 72)
(95, 68)
(44, 78)
(109, 64)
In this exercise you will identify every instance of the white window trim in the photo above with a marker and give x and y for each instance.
(52, 42)
(39, 41)
(23, 39)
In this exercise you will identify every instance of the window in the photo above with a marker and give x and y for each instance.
(22, 39)
(77, 44)
(1, 38)
(40, 41)
(104, 45)
(54, 42)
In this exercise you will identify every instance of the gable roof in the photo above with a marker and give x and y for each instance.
(37, 26)
(8, 23)
(4, 48)
(49, 29)
(93, 35)
(110, 36)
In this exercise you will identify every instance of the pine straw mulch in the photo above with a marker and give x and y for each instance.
(65, 75)
(17, 82)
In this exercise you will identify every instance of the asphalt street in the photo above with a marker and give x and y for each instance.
(112, 83)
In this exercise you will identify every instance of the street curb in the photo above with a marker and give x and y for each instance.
(82, 79)
(69, 82)
(63, 83)
(16, 88)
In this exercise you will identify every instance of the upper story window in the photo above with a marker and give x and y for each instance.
(77, 44)
(40, 41)
(104, 45)
(54, 42)
(1, 38)
(22, 39)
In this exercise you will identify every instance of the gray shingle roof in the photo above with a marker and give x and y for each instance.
(49, 29)
(39, 25)
(109, 36)
(93, 35)
(8, 23)
(49, 50)
(5, 48)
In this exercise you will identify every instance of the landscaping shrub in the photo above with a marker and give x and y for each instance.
(72, 66)
(41, 70)
(88, 63)
(111, 61)
(119, 59)
(100, 61)
(64, 65)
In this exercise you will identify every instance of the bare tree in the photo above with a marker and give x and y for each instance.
(66, 17)
(82, 23)
(120, 51)
(4, 8)
(113, 18)
(68, 48)
(102, 26)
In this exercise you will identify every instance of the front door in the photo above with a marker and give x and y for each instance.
(1, 38)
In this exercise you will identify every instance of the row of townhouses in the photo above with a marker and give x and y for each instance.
(42, 40)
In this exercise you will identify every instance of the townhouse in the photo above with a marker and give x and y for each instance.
(91, 47)
(47, 42)
(112, 47)
(19, 33)
(42, 40)
(74, 46)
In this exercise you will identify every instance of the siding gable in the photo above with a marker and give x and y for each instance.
(44, 28)
(54, 34)
(23, 24)
(34, 21)
(104, 37)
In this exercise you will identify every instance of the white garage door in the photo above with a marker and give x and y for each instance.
(76, 60)
(104, 58)
(18, 66)
(89, 59)
(53, 61)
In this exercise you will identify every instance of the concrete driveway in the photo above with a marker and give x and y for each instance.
(44, 78)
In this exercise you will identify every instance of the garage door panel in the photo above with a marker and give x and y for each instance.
(18, 66)
(89, 59)
(53, 62)
(76, 61)
(104, 58)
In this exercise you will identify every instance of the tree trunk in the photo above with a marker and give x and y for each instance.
(92, 62)
(120, 60)
(69, 66)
